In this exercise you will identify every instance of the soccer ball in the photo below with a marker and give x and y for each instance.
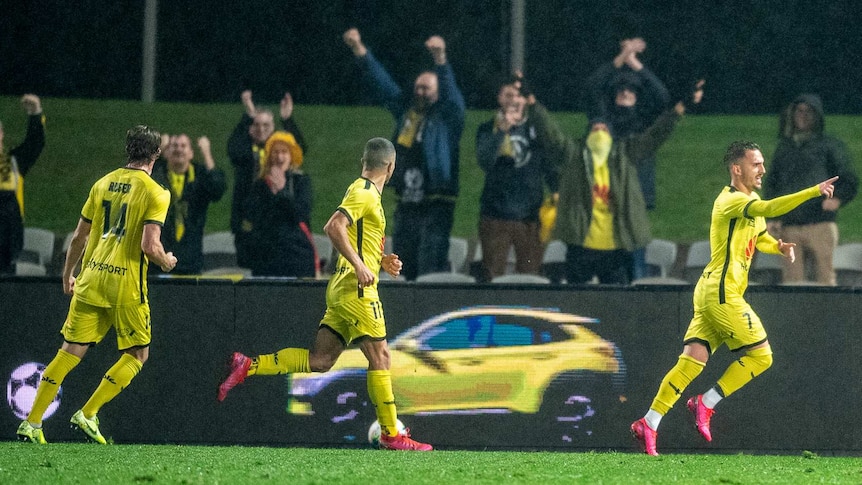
(374, 432)
(21, 390)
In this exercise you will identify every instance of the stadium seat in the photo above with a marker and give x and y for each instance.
(219, 250)
(521, 278)
(554, 261)
(445, 277)
(660, 257)
(325, 252)
(25, 268)
(697, 259)
(38, 246)
(847, 262)
(659, 280)
(766, 269)
(457, 253)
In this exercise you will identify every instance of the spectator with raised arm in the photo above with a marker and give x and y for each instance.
(517, 171)
(193, 185)
(245, 150)
(429, 121)
(14, 165)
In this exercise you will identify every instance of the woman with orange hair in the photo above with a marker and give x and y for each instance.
(277, 213)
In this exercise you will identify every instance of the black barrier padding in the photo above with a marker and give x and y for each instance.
(806, 401)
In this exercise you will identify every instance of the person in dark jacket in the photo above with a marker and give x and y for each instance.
(804, 155)
(193, 187)
(517, 170)
(14, 165)
(245, 149)
(278, 210)
(429, 121)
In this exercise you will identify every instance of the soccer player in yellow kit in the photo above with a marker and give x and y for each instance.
(721, 314)
(120, 226)
(354, 312)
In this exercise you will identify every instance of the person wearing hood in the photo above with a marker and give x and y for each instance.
(517, 170)
(804, 155)
(630, 97)
(601, 216)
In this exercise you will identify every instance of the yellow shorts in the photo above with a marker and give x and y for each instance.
(733, 323)
(88, 324)
(353, 319)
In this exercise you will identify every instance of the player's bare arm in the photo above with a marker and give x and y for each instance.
(151, 245)
(74, 254)
(336, 229)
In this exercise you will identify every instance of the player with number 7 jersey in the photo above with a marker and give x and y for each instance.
(114, 267)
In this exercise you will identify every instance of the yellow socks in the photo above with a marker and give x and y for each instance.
(282, 362)
(676, 380)
(53, 376)
(116, 379)
(380, 391)
(744, 369)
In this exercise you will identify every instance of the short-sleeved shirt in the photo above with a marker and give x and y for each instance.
(362, 205)
(114, 268)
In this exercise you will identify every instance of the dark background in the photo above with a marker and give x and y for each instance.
(814, 382)
(755, 55)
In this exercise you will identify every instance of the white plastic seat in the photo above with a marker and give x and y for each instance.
(24, 268)
(457, 253)
(521, 278)
(445, 277)
(698, 257)
(40, 243)
(661, 254)
(847, 262)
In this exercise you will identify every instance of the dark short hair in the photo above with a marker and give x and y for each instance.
(377, 153)
(142, 143)
(736, 151)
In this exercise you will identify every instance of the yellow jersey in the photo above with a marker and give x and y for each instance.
(114, 268)
(737, 228)
(362, 204)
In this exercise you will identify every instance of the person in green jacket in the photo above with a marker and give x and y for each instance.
(602, 216)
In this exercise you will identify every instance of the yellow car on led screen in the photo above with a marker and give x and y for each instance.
(478, 360)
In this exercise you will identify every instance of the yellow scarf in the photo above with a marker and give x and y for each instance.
(601, 233)
(180, 207)
(410, 130)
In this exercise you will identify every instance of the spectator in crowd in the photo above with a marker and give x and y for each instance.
(429, 121)
(517, 170)
(804, 155)
(245, 149)
(630, 97)
(118, 232)
(14, 165)
(602, 215)
(278, 213)
(354, 313)
(193, 186)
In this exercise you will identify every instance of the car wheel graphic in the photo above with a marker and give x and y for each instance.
(346, 410)
(570, 409)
